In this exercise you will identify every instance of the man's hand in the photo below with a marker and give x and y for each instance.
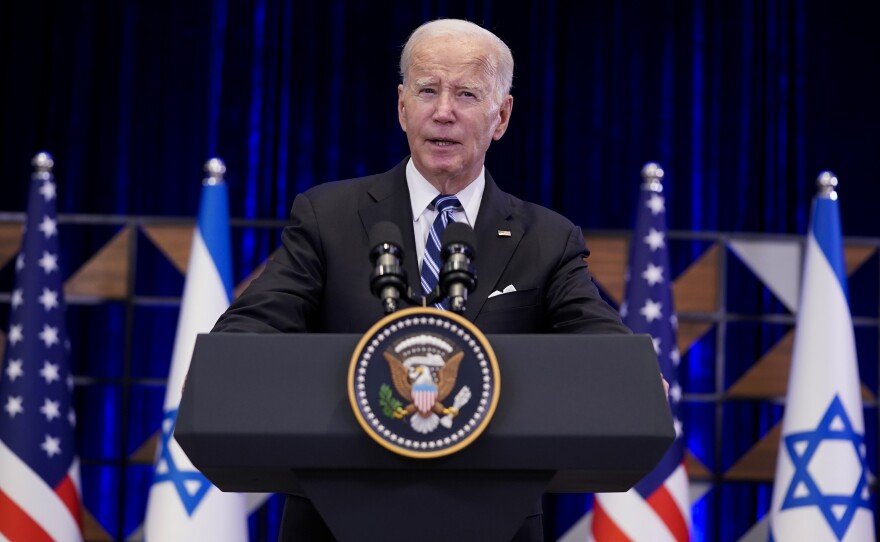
(665, 387)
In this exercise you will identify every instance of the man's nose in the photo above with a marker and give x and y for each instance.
(445, 108)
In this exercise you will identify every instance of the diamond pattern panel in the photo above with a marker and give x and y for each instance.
(105, 275)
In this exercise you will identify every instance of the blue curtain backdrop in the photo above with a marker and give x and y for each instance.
(743, 103)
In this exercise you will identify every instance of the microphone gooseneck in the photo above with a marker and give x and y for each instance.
(388, 279)
(457, 275)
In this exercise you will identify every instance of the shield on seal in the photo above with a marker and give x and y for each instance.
(424, 395)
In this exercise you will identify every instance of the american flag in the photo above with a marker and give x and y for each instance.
(39, 471)
(658, 507)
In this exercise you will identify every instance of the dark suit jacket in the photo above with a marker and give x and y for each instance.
(319, 281)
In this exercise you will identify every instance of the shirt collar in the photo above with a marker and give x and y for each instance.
(422, 193)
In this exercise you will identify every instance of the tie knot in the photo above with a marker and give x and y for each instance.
(443, 203)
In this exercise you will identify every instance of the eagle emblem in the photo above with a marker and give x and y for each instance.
(423, 382)
(424, 369)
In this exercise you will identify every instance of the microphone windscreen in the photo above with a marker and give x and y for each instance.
(385, 232)
(459, 233)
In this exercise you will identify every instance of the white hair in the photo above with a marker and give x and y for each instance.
(501, 59)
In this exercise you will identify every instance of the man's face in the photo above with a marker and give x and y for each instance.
(449, 108)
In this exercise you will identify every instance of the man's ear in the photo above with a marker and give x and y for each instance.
(504, 117)
(401, 112)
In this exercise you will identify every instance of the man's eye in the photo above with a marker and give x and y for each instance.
(426, 91)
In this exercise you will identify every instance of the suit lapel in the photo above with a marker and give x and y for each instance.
(389, 200)
(494, 248)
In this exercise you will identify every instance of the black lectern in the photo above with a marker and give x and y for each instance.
(577, 413)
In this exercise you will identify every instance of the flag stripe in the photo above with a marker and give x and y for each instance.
(35, 498)
(634, 517)
(679, 479)
(667, 509)
(667, 465)
(213, 226)
(17, 525)
(604, 528)
(826, 229)
(69, 495)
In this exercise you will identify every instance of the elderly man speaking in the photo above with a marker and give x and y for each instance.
(453, 101)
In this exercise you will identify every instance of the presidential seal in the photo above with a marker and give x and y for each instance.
(423, 382)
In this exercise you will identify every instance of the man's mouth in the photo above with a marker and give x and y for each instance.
(442, 142)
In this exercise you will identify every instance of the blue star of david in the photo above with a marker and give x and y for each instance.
(180, 478)
(813, 496)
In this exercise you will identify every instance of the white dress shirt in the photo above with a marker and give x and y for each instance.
(422, 193)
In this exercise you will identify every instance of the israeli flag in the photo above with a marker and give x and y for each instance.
(183, 505)
(821, 489)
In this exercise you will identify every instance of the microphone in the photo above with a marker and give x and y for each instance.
(388, 279)
(457, 276)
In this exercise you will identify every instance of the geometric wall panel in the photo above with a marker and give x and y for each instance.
(699, 295)
(759, 463)
(607, 263)
(695, 468)
(856, 255)
(778, 265)
(104, 275)
(10, 240)
(146, 454)
(690, 332)
(696, 289)
(768, 378)
(175, 242)
(92, 529)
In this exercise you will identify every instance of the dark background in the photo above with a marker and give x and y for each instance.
(743, 103)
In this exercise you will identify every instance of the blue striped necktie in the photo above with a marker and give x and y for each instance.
(445, 205)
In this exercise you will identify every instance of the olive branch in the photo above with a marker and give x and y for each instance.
(387, 401)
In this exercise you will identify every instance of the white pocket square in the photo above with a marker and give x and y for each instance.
(506, 290)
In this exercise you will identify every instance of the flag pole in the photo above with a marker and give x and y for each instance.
(183, 505)
(39, 469)
(657, 508)
(821, 489)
